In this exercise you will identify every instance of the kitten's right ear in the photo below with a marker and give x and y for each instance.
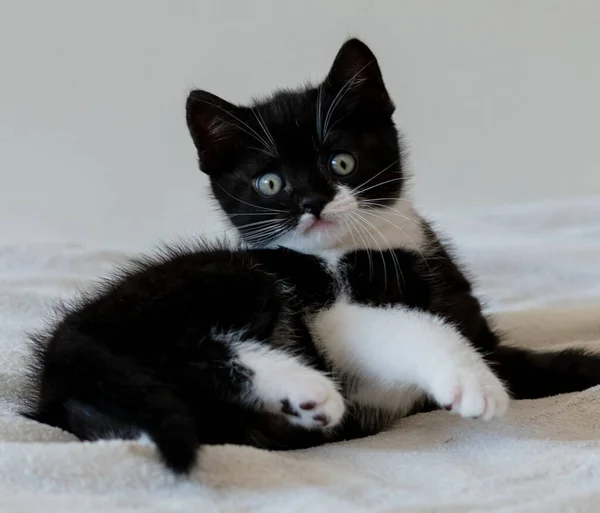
(213, 124)
(356, 77)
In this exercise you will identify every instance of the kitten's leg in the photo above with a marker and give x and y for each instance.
(400, 346)
(283, 384)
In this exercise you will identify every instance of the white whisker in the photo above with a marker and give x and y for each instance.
(319, 112)
(357, 189)
(416, 246)
(266, 235)
(252, 214)
(392, 198)
(267, 222)
(384, 240)
(362, 191)
(265, 129)
(246, 203)
(340, 95)
(353, 222)
(262, 150)
(349, 231)
(371, 204)
(249, 131)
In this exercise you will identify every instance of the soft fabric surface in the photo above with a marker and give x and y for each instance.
(538, 267)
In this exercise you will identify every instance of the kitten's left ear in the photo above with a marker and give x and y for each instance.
(356, 76)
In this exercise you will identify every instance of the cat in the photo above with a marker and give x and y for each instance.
(339, 311)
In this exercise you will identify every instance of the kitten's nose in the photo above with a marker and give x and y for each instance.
(312, 205)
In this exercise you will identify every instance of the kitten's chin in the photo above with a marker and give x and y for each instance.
(320, 236)
(312, 234)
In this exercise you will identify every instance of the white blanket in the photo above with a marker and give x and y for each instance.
(544, 456)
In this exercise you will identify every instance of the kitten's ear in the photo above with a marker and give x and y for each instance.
(213, 124)
(356, 76)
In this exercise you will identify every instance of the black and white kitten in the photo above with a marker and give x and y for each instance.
(340, 313)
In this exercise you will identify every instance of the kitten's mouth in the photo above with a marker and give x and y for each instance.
(318, 224)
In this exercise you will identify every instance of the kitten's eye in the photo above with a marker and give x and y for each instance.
(342, 164)
(269, 184)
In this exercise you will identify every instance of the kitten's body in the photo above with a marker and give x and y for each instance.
(355, 316)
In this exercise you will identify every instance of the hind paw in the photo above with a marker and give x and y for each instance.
(304, 396)
(309, 400)
(473, 391)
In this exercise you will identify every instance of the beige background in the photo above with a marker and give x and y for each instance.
(499, 100)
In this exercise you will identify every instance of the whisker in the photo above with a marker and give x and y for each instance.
(264, 224)
(393, 198)
(362, 191)
(379, 247)
(335, 102)
(263, 238)
(259, 230)
(251, 132)
(246, 203)
(319, 112)
(358, 188)
(416, 246)
(262, 150)
(267, 222)
(265, 129)
(386, 240)
(251, 214)
(340, 95)
(344, 245)
(395, 212)
(341, 118)
(343, 219)
(359, 225)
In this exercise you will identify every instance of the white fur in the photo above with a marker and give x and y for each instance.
(281, 377)
(331, 259)
(397, 226)
(397, 349)
(342, 203)
(144, 439)
(356, 227)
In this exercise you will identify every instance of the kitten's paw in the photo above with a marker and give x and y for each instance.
(472, 391)
(305, 397)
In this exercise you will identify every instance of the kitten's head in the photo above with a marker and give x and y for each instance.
(303, 169)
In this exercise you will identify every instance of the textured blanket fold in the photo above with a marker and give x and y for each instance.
(539, 268)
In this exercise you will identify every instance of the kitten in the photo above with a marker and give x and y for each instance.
(340, 312)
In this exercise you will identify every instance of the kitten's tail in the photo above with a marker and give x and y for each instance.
(533, 374)
(83, 388)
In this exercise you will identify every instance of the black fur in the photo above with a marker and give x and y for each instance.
(141, 353)
(140, 350)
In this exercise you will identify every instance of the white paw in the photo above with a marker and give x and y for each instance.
(304, 396)
(471, 391)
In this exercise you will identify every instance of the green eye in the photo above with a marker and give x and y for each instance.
(342, 164)
(269, 184)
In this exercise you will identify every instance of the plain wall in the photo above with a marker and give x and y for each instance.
(499, 100)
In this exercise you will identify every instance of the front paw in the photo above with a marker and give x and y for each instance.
(305, 397)
(471, 391)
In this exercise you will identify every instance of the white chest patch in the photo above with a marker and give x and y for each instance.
(331, 258)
